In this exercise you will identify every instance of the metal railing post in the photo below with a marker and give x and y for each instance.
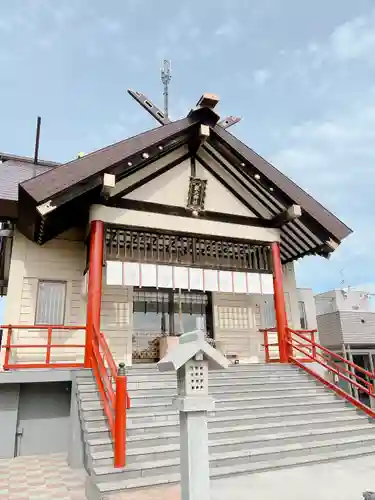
(7, 348)
(120, 417)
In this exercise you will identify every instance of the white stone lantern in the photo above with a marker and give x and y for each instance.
(192, 358)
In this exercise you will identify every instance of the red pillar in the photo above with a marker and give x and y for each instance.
(94, 296)
(279, 297)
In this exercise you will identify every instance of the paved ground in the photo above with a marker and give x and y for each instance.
(45, 477)
(49, 478)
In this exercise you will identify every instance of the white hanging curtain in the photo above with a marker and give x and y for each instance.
(174, 277)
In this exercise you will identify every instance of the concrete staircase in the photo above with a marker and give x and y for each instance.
(266, 417)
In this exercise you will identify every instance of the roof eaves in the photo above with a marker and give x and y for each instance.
(327, 219)
(79, 170)
(27, 159)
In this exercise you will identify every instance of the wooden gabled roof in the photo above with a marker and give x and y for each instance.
(59, 198)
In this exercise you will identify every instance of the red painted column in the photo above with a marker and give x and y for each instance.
(94, 296)
(279, 297)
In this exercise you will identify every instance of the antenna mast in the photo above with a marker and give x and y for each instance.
(166, 78)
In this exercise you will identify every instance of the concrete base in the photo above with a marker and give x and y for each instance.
(76, 452)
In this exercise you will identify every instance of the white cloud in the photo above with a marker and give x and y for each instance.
(334, 158)
(261, 76)
(355, 39)
(231, 29)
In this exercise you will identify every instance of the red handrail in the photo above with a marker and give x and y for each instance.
(9, 345)
(319, 354)
(267, 345)
(115, 402)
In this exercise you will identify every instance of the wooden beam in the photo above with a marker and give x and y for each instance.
(291, 213)
(149, 106)
(229, 121)
(109, 183)
(145, 206)
(8, 209)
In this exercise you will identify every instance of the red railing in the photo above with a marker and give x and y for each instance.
(303, 342)
(11, 345)
(267, 344)
(330, 361)
(276, 359)
(110, 381)
(115, 401)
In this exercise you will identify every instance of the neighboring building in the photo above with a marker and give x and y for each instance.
(180, 227)
(346, 323)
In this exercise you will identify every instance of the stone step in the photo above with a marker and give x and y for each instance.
(162, 378)
(101, 450)
(136, 390)
(255, 429)
(271, 406)
(154, 400)
(94, 401)
(238, 458)
(216, 421)
(108, 487)
(100, 431)
(252, 406)
(97, 424)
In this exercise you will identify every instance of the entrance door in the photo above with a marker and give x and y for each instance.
(159, 313)
(43, 418)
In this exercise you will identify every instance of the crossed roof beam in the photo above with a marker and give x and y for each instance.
(159, 116)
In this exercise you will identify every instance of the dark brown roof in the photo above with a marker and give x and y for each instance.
(98, 162)
(290, 189)
(73, 187)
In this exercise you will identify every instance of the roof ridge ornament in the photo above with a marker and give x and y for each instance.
(210, 99)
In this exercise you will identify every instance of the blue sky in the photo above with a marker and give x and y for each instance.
(301, 74)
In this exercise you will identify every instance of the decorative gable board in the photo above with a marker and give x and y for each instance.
(171, 188)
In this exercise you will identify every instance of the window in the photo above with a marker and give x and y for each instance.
(269, 313)
(302, 315)
(50, 304)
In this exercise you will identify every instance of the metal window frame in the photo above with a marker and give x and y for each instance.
(303, 314)
(65, 283)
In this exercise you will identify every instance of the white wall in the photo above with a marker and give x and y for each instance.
(306, 295)
(62, 259)
(171, 188)
(117, 320)
(236, 326)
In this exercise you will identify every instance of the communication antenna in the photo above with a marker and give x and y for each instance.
(37, 141)
(342, 282)
(166, 78)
